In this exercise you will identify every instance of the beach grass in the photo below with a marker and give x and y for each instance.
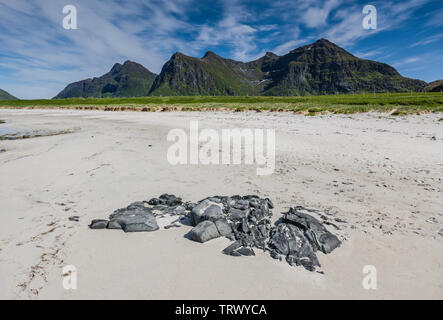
(395, 103)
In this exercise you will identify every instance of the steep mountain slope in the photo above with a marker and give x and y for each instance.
(210, 75)
(323, 67)
(6, 96)
(128, 80)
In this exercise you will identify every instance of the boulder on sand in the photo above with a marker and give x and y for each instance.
(213, 213)
(135, 218)
(198, 212)
(223, 227)
(204, 231)
(98, 224)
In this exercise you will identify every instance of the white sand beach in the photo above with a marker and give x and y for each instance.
(380, 174)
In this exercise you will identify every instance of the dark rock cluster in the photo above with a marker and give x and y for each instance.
(140, 216)
(245, 220)
(297, 236)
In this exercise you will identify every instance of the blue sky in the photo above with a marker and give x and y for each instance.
(38, 57)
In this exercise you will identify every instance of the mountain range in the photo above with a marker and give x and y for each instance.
(6, 96)
(318, 68)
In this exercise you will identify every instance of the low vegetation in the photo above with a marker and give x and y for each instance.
(394, 103)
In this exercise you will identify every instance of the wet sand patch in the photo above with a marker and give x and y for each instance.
(18, 134)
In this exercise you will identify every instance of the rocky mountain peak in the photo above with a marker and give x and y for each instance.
(116, 68)
(271, 55)
(210, 54)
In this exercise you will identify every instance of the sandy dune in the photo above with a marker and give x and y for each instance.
(382, 175)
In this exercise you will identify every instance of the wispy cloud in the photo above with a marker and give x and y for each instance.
(290, 45)
(371, 53)
(428, 40)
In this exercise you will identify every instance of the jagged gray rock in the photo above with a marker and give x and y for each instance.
(238, 218)
(223, 227)
(245, 251)
(166, 199)
(135, 218)
(298, 236)
(315, 231)
(289, 240)
(232, 247)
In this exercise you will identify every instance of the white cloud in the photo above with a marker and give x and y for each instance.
(233, 31)
(317, 15)
(38, 48)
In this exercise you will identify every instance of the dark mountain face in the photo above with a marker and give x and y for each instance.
(210, 75)
(324, 68)
(319, 68)
(434, 86)
(6, 96)
(128, 80)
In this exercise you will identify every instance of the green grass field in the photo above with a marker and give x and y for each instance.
(396, 103)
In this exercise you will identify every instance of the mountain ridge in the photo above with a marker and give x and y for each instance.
(434, 86)
(325, 68)
(129, 79)
(6, 95)
(317, 68)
